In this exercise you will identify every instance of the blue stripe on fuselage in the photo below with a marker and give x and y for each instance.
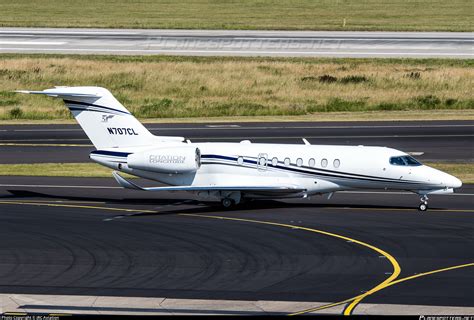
(326, 173)
(110, 153)
(106, 109)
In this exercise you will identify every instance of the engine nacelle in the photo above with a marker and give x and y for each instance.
(179, 159)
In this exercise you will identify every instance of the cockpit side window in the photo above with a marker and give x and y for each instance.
(404, 161)
(411, 161)
(397, 161)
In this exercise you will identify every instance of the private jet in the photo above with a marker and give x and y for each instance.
(233, 172)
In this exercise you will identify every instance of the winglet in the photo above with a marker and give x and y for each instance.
(125, 183)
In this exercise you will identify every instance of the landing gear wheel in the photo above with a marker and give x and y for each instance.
(227, 203)
(424, 203)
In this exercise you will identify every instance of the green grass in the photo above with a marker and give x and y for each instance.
(464, 171)
(193, 87)
(89, 170)
(404, 115)
(392, 15)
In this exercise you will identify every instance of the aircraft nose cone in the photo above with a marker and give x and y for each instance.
(453, 182)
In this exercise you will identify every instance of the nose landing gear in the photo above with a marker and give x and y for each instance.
(424, 203)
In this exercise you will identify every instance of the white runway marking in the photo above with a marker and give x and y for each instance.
(38, 43)
(66, 32)
(243, 127)
(352, 39)
(221, 126)
(247, 43)
(282, 137)
(255, 52)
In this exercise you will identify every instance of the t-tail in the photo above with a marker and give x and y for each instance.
(107, 123)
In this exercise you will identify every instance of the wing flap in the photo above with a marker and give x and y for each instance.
(284, 189)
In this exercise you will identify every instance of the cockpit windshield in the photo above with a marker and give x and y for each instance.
(404, 161)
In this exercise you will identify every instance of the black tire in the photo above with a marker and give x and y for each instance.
(423, 206)
(227, 203)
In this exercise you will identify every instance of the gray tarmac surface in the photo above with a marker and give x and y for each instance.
(67, 244)
(75, 236)
(238, 43)
(441, 141)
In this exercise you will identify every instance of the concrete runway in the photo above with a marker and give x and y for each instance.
(238, 43)
(441, 141)
(70, 246)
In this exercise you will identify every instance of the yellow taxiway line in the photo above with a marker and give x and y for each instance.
(75, 206)
(354, 301)
(393, 261)
(348, 310)
(390, 281)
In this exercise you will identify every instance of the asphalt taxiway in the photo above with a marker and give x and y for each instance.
(442, 141)
(237, 43)
(85, 245)
(69, 244)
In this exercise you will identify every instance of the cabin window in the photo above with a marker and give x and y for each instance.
(336, 163)
(404, 161)
(324, 163)
(275, 161)
(262, 161)
(240, 160)
(287, 161)
(312, 162)
(299, 162)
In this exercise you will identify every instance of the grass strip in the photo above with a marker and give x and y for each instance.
(406, 115)
(205, 88)
(464, 171)
(87, 170)
(393, 15)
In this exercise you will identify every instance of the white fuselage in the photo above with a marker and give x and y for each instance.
(317, 168)
(231, 171)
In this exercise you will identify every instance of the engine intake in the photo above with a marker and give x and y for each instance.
(179, 159)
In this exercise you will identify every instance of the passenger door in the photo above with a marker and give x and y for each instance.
(262, 161)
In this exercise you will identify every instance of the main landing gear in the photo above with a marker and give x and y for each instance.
(227, 203)
(424, 203)
(230, 199)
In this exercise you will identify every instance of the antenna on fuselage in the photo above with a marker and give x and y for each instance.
(306, 142)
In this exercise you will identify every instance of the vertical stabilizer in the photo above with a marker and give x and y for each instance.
(107, 123)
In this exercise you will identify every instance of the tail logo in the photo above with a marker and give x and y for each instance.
(106, 117)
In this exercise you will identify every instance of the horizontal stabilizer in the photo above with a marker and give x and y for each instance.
(59, 94)
(284, 189)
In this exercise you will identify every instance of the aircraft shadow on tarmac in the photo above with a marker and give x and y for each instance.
(197, 206)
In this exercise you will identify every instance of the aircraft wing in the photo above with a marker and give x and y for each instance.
(255, 189)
